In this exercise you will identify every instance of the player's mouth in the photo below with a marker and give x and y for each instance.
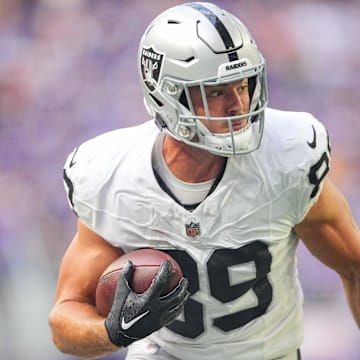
(239, 125)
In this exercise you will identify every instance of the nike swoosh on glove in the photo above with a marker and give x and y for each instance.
(135, 316)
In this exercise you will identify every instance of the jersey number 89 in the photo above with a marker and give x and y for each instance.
(221, 288)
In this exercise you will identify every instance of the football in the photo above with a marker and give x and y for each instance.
(146, 265)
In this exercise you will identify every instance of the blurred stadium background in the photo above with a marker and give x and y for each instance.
(68, 72)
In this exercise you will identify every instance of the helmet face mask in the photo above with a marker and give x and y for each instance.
(170, 69)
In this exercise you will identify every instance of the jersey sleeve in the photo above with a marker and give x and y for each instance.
(76, 184)
(86, 172)
(312, 170)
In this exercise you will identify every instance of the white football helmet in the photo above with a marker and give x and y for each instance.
(199, 44)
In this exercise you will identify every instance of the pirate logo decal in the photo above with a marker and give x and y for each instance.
(151, 63)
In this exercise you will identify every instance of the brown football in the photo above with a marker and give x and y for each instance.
(146, 265)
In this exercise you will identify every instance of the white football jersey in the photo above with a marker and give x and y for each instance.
(237, 248)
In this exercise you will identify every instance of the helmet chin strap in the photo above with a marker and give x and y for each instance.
(230, 142)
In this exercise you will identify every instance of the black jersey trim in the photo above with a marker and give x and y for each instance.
(189, 207)
(71, 190)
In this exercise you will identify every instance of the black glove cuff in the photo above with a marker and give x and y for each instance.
(117, 337)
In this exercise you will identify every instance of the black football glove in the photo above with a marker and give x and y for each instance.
(135, 316)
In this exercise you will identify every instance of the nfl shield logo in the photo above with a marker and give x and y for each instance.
(192, 229)
(151, 63)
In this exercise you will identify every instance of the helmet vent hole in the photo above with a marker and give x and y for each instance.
(189, 59)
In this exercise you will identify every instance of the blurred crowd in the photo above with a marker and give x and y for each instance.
(68, 72)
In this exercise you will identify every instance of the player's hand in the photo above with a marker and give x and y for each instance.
(135, 316)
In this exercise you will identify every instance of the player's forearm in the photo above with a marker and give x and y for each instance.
(352, 290)
(82, 334)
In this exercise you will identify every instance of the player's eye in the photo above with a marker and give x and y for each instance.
(215, 93)
(242, 88)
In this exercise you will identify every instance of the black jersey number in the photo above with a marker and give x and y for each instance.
(318, 172)
(222, 289)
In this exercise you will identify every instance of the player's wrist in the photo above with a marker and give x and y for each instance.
(117, 337)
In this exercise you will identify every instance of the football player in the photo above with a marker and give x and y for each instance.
(220, 181)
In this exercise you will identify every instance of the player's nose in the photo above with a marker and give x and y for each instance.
(235, 103)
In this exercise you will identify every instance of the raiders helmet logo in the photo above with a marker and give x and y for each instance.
(151, 63)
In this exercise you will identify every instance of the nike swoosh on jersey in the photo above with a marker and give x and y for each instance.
(127, 325)
(72, 162)
(313, 143)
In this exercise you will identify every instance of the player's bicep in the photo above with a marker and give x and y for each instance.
(84, 260)
(329, 230)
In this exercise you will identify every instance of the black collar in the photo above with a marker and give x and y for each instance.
(189, 207)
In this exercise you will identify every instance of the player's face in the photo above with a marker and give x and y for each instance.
(226, 100)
